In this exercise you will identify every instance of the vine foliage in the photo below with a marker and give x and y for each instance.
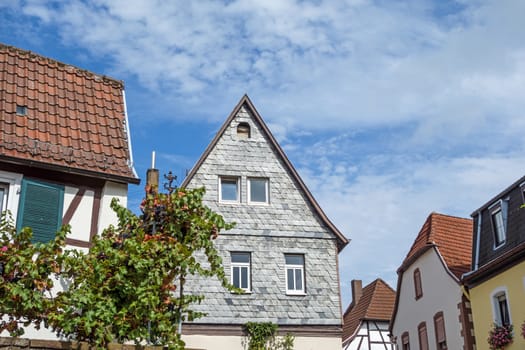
(263, 336)
(129, 286)
(26, 276)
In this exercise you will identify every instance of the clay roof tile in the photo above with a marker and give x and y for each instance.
(453, 238)
(68, 110)
(376, 303)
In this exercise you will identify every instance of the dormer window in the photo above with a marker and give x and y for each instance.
(21, 110)
(498, 216)
(243, 131)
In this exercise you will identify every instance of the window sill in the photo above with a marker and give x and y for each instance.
(229, 202)
(296, 294)
(245, 292)
(496, 247)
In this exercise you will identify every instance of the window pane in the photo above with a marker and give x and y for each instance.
(236, 274)
(497, 219)
(240, 257)
(290, 279)
(2, 201)
(244, 277)
(503, 310)
(294, 259)
(229, 189)
(258, 190)
(298, 279)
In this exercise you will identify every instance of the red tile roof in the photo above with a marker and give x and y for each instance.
(376, 303)
(453, 238)
(75, 119)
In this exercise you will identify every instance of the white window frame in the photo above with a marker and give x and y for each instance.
(295, 267)
(14, 181)
(240, 266)
(238, 182)
(499, 229)
(3, 201)
(494, 300)
(266, 190)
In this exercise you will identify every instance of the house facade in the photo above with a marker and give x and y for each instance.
(366, 320)
(282, 252)
(431, 310)
(496, 284)
(64, 148)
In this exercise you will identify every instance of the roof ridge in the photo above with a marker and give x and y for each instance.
(62, 65)
(386, 284)
(449, 216)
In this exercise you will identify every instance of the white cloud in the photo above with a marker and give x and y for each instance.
(381, 204)
(320, 64)
(425, 98)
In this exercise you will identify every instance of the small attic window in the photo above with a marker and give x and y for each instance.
(21, 110)
(243, 131)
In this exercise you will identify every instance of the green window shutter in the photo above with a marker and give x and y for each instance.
(40, 208)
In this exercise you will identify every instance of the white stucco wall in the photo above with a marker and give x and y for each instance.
(107, 215)
(81, 220)
(440, 293)
(202, 342)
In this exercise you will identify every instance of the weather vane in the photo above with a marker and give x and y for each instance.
(168, 186)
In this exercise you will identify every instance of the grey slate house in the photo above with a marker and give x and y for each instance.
(283, 250)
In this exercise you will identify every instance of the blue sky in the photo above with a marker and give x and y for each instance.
(389, 110)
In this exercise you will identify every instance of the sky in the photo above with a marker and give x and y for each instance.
(389, 110)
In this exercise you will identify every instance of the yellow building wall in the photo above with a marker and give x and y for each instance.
(513, 280)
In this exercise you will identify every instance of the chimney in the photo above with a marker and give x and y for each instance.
(152, 176)
(357, 291)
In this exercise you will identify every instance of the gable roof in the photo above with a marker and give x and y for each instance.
(75, 120)
(342, 241)
(376, 303)
(452, 236)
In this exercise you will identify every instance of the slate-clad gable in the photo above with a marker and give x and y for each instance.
(288, 213)
(289, 223)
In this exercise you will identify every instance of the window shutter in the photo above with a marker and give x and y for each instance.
(423, 338)
(405, 341)
(40, 208)
(440, 328)
(417, 284)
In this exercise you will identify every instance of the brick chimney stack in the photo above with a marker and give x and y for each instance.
(357, 291)
(152, 175)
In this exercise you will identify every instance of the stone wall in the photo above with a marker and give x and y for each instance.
(35, 344)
